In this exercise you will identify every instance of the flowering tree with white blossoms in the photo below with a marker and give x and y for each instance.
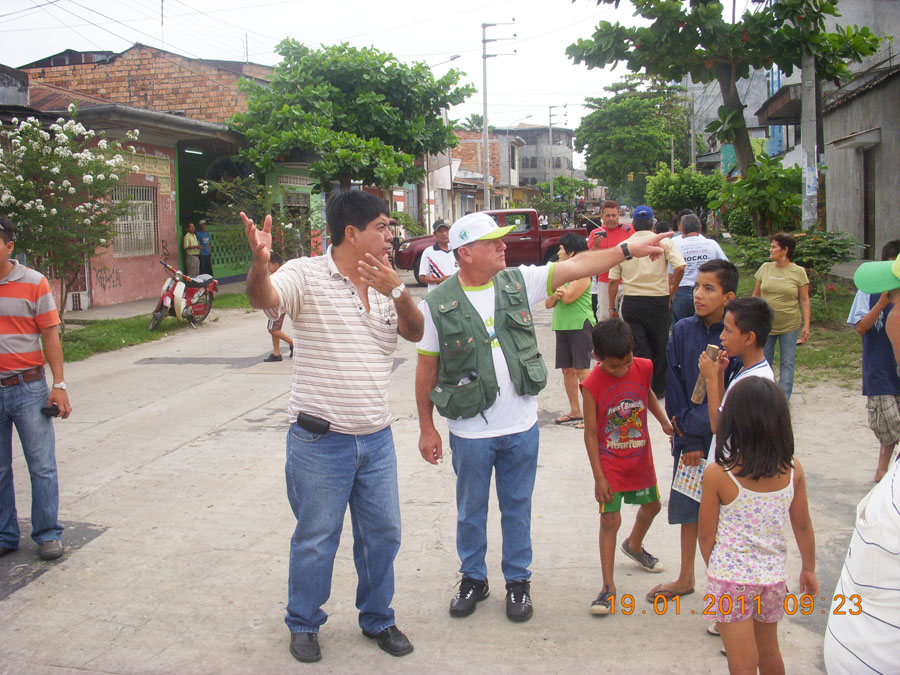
(55, 185)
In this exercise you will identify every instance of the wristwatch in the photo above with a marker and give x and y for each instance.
(624, 247)
(397, 292)
(60, 385)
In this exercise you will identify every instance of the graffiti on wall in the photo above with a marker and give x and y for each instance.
(108, 278)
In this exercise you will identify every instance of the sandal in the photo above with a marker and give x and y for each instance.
(563, 419)
(657, 591)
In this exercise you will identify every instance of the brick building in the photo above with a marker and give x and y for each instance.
(152, 79)
(503, 149)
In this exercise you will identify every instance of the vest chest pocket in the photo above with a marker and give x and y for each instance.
(521, 328)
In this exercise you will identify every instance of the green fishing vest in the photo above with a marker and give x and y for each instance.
(467, 383)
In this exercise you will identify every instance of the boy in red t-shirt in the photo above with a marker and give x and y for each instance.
(617, 396)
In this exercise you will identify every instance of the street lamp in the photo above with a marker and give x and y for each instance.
(452, 58)
(486, 178)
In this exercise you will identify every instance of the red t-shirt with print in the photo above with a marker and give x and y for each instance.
(622, 434)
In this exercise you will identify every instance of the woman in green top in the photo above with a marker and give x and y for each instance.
(785, 286)
(572, 322)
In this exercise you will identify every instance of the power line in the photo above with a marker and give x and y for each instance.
(29, 9)
(83, 37)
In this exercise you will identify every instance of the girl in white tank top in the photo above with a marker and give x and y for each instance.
(748, 494)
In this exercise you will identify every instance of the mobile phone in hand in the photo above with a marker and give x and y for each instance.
(50, 410)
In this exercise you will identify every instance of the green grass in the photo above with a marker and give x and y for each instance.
(231, 301)
(112, 334)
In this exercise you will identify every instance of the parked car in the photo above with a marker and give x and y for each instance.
(527, 244)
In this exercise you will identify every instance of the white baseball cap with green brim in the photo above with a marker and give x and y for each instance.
(878, 277)
(475, 227)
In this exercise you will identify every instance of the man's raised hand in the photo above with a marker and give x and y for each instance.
(260, 240)
(651, 246)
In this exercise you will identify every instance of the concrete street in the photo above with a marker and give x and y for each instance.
(171, 472)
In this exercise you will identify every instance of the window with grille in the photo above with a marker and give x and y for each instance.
(136, 232)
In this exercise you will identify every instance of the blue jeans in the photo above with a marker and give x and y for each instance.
(682, 304)
(21, 406)
(324, 473)
(515, 459)
(787, 343)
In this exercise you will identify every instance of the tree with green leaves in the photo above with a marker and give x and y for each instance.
(696, 39)
(769, 192)
(473, 122)
(632, 130)
(57, 185)
(353, 114)
(670, 191)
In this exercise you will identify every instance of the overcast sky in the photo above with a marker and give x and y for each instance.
(538, 76)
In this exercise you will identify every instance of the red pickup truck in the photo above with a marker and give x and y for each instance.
(526, 244)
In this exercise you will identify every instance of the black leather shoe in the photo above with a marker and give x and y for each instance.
(305, 647)
(391, 640)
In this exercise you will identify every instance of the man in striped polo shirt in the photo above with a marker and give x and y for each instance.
(28, 317)
(347, 308)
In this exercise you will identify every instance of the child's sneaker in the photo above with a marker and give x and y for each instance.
(648, 562)
(603, 604)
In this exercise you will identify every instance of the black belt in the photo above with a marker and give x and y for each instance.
(30, 375)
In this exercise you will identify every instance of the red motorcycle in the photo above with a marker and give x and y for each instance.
(186, 298)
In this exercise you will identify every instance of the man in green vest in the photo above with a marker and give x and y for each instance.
(479, 364)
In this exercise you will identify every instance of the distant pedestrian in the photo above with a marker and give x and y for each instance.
(347, 308)
(755, 484)
(572, 323)
(785, 286)
(274, 326)
(29, 339)
(191, 252)
(648, 296)
(696, 250)
(617, 398)
(438, 263)
(203, 238)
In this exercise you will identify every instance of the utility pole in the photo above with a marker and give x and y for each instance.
(693, 137)
(550, 149)
(486, 163)
(809, 152)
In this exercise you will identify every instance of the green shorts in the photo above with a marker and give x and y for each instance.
(645, 496)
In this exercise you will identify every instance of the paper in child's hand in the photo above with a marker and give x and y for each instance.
(689, 479)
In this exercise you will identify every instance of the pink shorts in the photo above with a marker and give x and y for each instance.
(730, 602)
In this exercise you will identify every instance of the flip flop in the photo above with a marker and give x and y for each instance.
(668, 595)
(563, 419)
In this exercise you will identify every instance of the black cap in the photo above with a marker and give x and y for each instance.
(438, 224)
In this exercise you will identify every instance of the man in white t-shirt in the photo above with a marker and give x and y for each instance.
(438, 262)
(480, 366)
(696, 250)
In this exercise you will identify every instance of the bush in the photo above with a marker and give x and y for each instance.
(738, 222)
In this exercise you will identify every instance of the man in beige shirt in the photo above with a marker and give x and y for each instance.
(648, 296)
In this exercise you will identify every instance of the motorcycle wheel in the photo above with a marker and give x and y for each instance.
(157, 317)
(197, 319)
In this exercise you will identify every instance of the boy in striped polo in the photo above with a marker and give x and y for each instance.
(28, 318)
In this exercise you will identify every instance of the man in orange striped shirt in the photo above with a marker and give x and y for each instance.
(29, 338)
